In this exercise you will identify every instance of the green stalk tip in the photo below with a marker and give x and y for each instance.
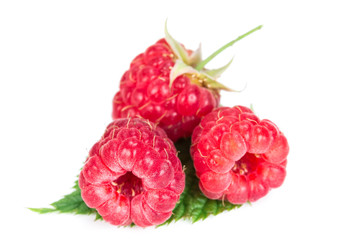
(202, 64)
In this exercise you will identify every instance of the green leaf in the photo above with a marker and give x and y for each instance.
(71, 203)
(192, 205)
(42, 210)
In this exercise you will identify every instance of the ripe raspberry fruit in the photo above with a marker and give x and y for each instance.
(169, 85)
(237, 156)
(132, 174)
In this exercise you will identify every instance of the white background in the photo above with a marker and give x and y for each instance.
(60, 65)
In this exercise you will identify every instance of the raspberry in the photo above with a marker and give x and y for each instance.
(132, 174)
(163, 85)
(237, 156)
(145, 91)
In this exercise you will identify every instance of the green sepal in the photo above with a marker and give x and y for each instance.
(216, 73)
(178, 50)
(212, 84)
(181, 68)
(208, 81)
(195, 57)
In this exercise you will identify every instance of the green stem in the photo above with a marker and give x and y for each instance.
(202, 64)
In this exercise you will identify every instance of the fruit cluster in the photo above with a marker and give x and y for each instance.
(133, 174)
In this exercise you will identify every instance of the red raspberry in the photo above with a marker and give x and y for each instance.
(237, 156)
(132, 174)
(145, 91)
(169, 85)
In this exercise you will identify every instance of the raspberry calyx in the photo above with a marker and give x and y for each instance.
(190, 63)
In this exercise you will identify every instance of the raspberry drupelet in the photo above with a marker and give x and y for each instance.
(132, 174)
(237, 156)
